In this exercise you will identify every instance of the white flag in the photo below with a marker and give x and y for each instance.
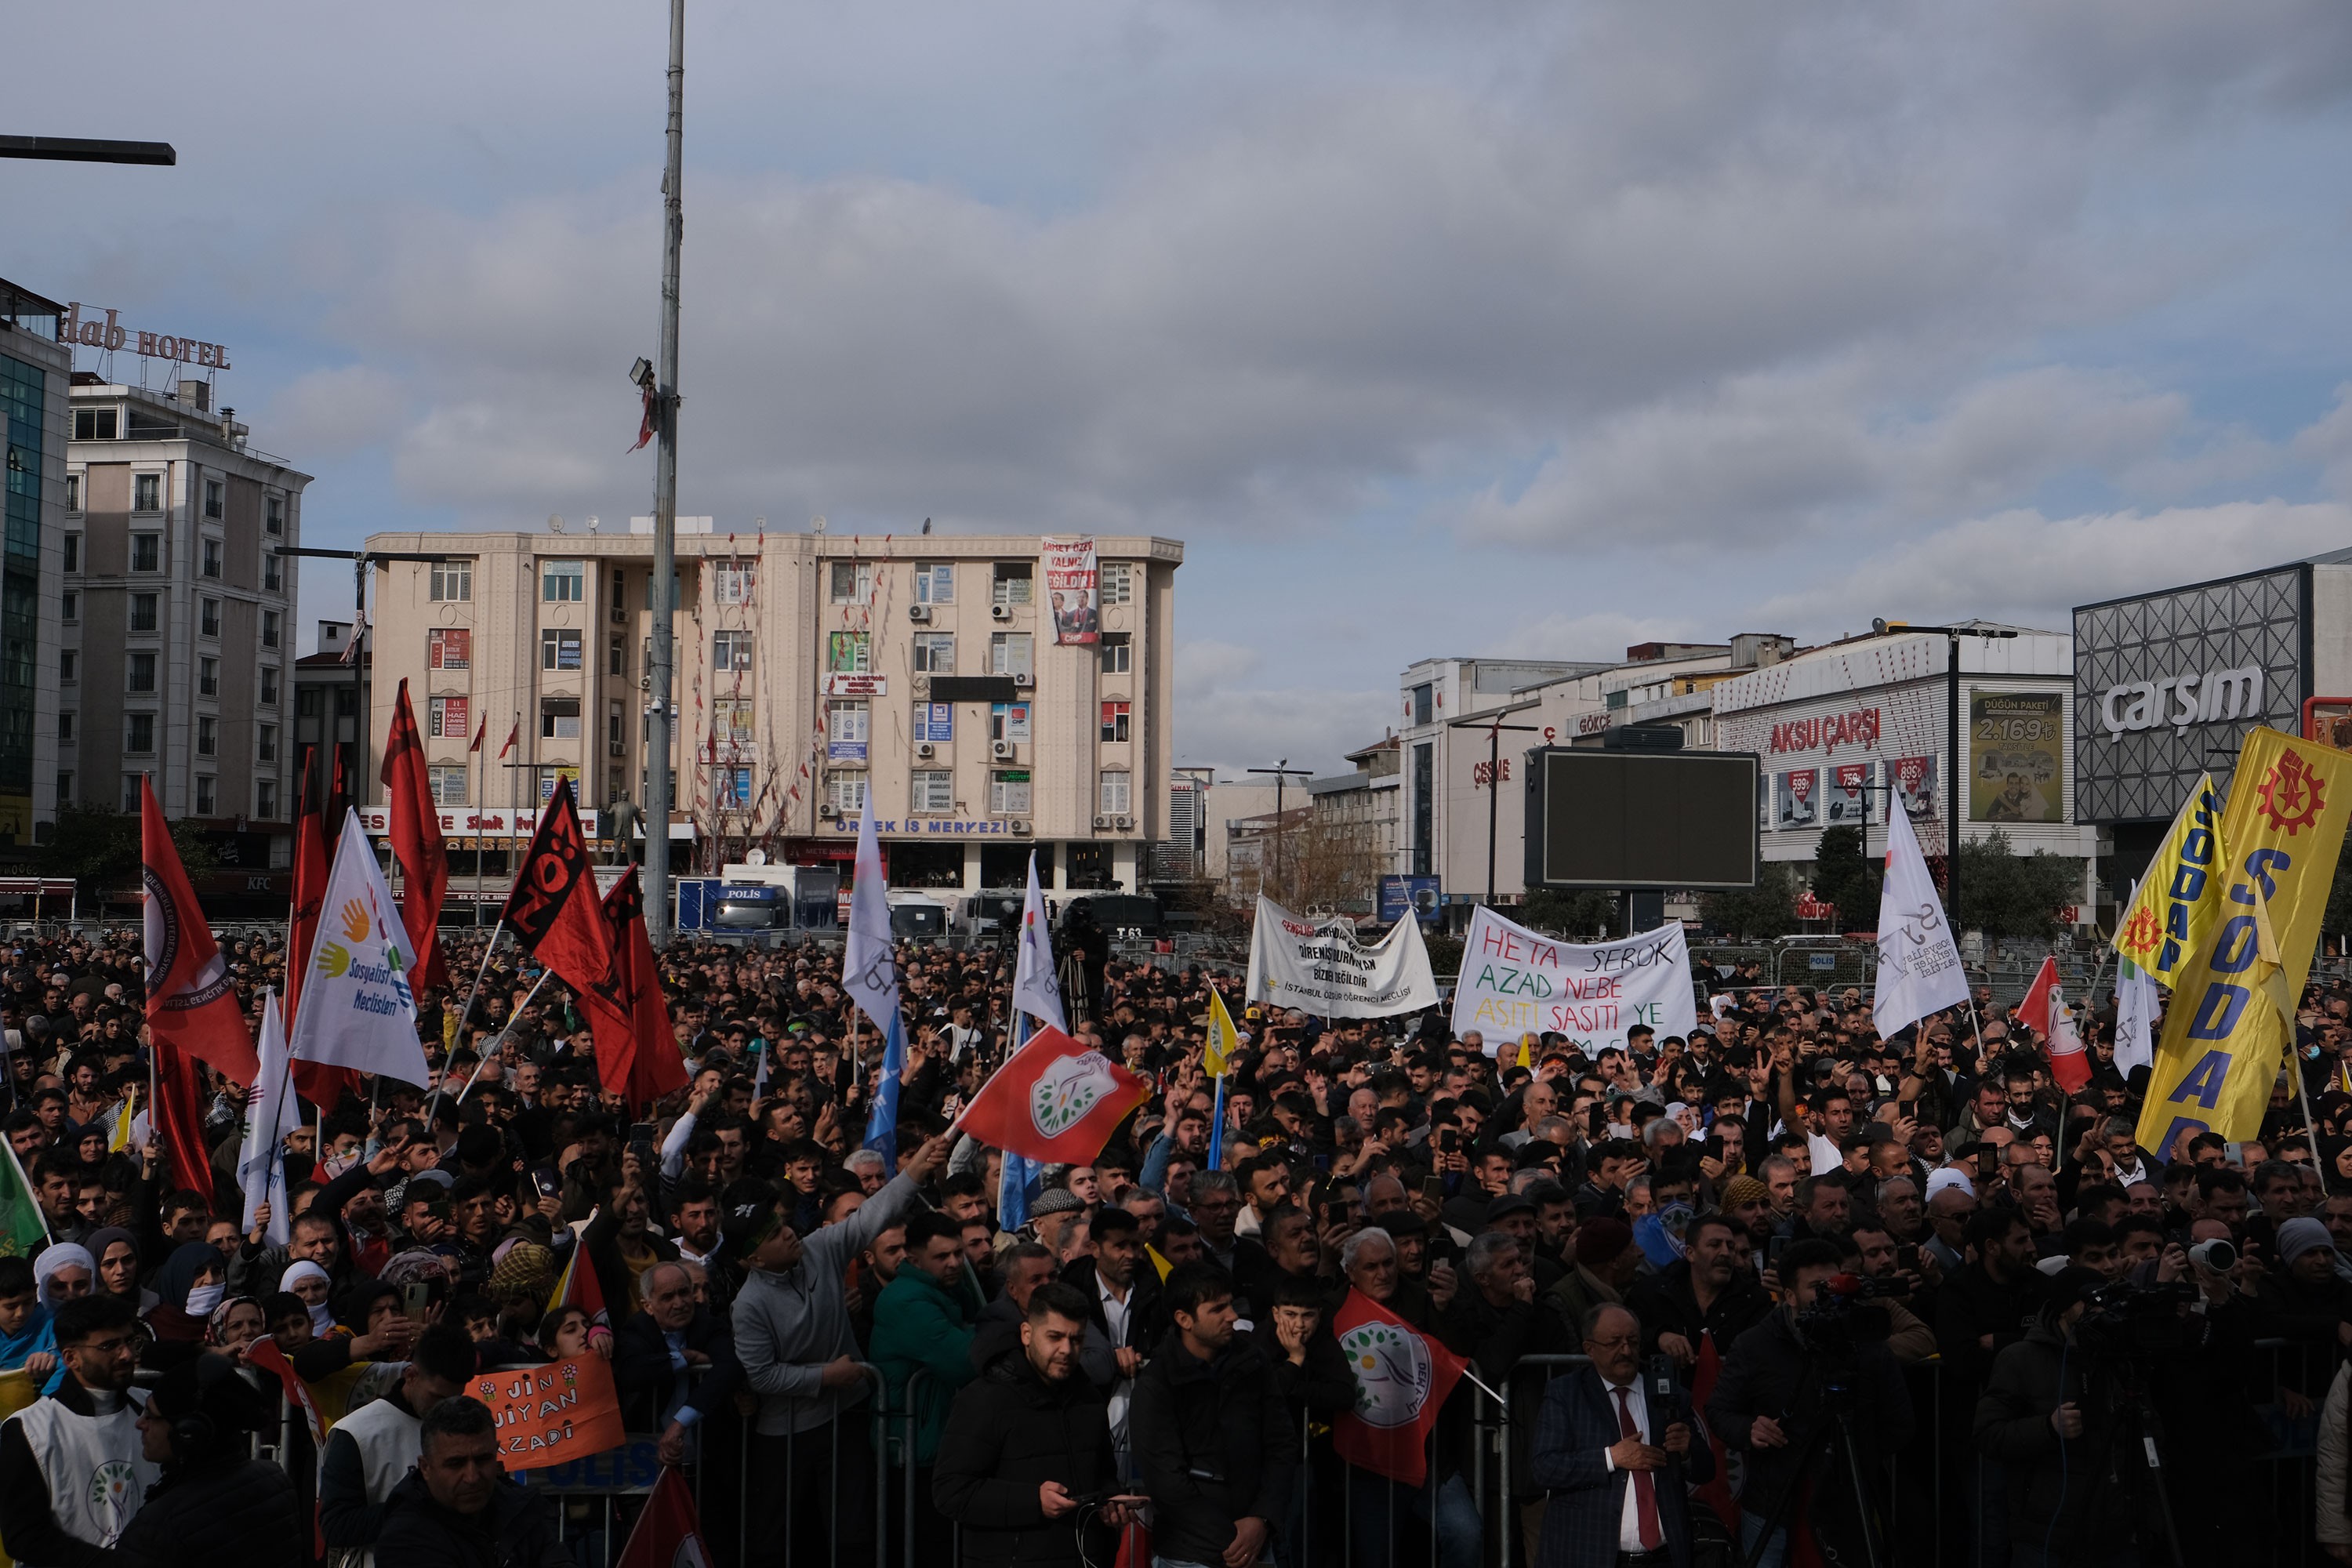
(869, 972)
(357, 1010)
(1919, 969)
(2136, 1006)
(1035, 991)
(271, 1113)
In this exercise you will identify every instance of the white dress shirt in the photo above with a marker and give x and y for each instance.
(1629, 1518)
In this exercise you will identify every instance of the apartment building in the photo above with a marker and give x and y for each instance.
(34, 374)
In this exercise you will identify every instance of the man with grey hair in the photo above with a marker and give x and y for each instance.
(1216, 1206)
(1496, 1321)
(870, 1169)
(1898, 1199)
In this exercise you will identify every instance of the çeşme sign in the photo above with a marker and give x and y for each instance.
(1070, 589)
(110, 334)
(1515, 981)
(1319, 967)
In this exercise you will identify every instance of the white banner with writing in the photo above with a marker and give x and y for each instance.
(1319, 967)
(1516, 982)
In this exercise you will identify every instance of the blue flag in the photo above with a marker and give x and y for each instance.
(1020, 1181)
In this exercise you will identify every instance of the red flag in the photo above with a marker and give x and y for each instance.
(2045, 1011)
(668, 1533)
(1716, 1493)
(645, 422)
(190, 1007)
(579, 1288)
(263, 1353)
(556, 917)
(1054, 1101)
(512, 736)
(654, 1068)
(481, 730)
(319, 1083)
(1403, 1379)
(417, 842)
(178, 1115)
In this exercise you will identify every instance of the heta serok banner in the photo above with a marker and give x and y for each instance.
(2223, 1036)
(1515, 980)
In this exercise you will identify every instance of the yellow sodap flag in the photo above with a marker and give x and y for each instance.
(2180, 896)
(1223, 1038)
(2226, 1031)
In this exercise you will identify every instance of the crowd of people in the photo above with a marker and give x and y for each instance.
(1779, 1289)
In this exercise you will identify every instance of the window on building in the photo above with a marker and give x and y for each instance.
(269, 621)
(139, 672)
(265, 800)
(265, 744)
(1115, 792)
(935, 721)
(1008, 792)
(563, 582)
(138, 732)
(130, 783)
(931, 789)
(73, 552)
(65, 786)
(270, 685)
(452, 583)
(273, 514)
(850, 653)
(559, 649)
(207, 677)
(934, 653)
(207, 737)
(69, 608)
(1423, 701)
(730, 650)
(1114, 720)
(146, 553)
(1008, 653)
(616, 656)
(848, 727)
(1012, 583)
(1118, 654)
(1008, 722)
(68, 667)
(449, 718)
(730, 720)
(273, 572)
(934, 582)
(96, 424)
(207, 798)
(848, 582)
(211, 563)
(731, 787)
(1115, 583)
(142, 612)
(559, 719)
(214, 498)
(73, 493)
(845, 793)
(620, 598)
(616, 725)
(449, 647)
(731, 584)
(208, 617)
(146, 493)
(65, 724)
(449, 783)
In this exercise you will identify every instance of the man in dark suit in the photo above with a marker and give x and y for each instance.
(653, 1353)
(1616, 1458)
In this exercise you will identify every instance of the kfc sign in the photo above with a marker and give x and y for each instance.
(1858, 728)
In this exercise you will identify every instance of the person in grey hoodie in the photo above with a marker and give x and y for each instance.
(800, 1356)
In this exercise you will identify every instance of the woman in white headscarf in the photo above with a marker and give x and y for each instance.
(311, 1282)
(62, 1272)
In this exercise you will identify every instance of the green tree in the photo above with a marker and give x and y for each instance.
(2006, 895)
(1580, 915)
(1766, 910)
(99, 850)
(1841, 876)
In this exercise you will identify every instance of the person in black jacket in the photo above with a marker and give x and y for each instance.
(655, 1351)
(1705, 1295)
(215, 1507)
(457, 1509)
(1210, 1431)
(1025, 1442)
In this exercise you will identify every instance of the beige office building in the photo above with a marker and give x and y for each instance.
(812, 670)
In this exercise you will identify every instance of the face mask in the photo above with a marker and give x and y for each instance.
(202, 1299)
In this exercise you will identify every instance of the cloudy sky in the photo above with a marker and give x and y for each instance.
(1530, 328)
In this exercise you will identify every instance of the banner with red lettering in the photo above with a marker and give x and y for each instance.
(1515, 981)
(552, 1415)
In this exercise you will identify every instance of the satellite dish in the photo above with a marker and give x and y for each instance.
(592, 523)
(755, 856)
(817, 525)
(554, 522)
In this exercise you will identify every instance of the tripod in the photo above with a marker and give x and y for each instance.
(2139, 1430)
(1832, 1438)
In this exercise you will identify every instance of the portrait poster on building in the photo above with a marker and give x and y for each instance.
(1914, 779)
(1070, 590)
(1796, 799)
(2015, 746)
(1850, 794)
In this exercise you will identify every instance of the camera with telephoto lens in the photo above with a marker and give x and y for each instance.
(1841, 1319)
(2126, 1318)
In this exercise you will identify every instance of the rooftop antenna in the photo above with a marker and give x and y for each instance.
(554, 522)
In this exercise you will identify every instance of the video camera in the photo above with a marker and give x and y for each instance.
(1841, 1320)
(2127, 1318)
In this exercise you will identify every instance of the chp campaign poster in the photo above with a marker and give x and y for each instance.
(1071, 585)
(1515, 981)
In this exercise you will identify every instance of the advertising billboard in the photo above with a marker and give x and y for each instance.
(1797, 798)
(1402, 895)
(1848, 797)
(2017, 746)
(1635, 819)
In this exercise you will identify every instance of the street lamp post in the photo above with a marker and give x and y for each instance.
(1283, 773)
(1493, 726)
(1951, 635)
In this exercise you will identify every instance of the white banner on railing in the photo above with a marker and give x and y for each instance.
(1517, 981)
(1319, 967)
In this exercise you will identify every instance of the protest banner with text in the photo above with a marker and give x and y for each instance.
(1515, 981)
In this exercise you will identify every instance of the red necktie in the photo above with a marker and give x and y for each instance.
(1645, 1486)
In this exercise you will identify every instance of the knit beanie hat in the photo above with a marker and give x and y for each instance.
(1744, 1190)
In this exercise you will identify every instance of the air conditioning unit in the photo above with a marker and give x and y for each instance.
(1001, 749)
(829, 813)
(1000, 612)
(616, 748)
(1024, 681)
(1125, 824)
(922, 684)
(620, 616)
(1102, 822)
(1020, 830)
(925, 751)
(919, 614)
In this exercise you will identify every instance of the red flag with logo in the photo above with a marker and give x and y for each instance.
(557, 919)
(654, 1067)
(190, 1007)
(417, 842)
(1402, 1380)
(662, 1534)
(1054, 1101)
(2045, 1011)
